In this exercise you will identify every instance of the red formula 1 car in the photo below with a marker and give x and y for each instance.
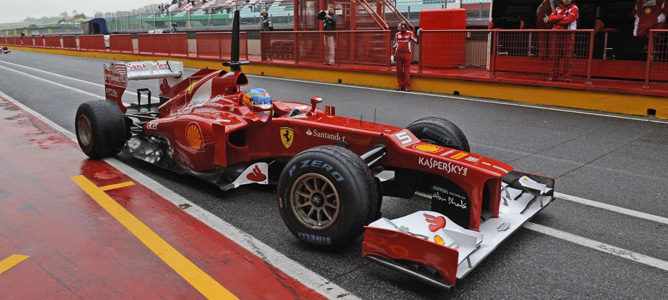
(332, 172)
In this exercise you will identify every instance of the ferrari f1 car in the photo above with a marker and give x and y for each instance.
(331, 172)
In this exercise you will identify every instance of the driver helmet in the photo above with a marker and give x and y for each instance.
(257, 96)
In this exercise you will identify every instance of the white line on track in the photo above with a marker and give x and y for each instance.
(482, 100)
(65, 77)
(606, 248)
(432, 95)
(52, 82)
(576, 199)
(251, 244)
(617, 209)
(288, 266)
(507, 103)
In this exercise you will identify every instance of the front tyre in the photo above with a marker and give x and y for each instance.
(325, 197)
(100, 128)
(440, 132)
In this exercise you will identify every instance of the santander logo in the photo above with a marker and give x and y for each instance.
(324, 135)
(256, 175)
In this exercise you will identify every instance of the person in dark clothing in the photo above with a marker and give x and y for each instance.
(265, 25)
(543, 13)
(329, 24)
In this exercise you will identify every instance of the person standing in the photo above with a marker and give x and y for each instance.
(265, 25)
(563, 19)
(329, 24)
(649, 14)
(402, 51)
(543, 13)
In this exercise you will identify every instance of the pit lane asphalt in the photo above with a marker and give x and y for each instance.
(615, 161)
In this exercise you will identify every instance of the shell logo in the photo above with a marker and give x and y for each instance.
(192, 87)
(194, 136)
(439, 240)
(427, 148)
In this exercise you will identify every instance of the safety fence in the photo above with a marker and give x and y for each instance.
(170, 44)
(657, 58)
(531, 54)
(92, 43)
(70, 42)
(121, 43)
(214, 45)
(522, 56)
(52, 42)
(332, 47)
(217, 45)
(536, 55)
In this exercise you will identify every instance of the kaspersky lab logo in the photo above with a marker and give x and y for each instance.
(324, 135)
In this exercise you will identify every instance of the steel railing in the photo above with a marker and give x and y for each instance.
(530, 55)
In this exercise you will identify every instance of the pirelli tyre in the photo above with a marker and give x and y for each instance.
(100, 128)
(326, 195)
(440, 132)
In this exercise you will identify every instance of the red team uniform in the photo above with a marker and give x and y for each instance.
(402, 49)
(543, 13)
(649, 14)
(562, 44)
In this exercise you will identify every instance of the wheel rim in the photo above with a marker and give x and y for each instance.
(84, 132)
(314, 201)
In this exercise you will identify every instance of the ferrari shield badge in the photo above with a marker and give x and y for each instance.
(287, 136)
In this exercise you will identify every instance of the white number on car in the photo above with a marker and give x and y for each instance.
(404, 138)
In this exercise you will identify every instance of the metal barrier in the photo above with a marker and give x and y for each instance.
(519, 56)
(92, 43)
(52, 42)
(168, 44)
(39, 42)
(331, 47)
(557, 54)
(70, 42)
(564, 55)
(657, 58)
(121, 43)
(216, 45)
(462, 52)
(28, 41)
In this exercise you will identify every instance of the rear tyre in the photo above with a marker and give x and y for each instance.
(326, 195)
(440, 132)
(101, 128)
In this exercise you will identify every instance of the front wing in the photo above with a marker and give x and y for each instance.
(431, 247)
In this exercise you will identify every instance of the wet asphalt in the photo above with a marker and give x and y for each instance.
(606, 159)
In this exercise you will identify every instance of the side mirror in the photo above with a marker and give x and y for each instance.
(315, 100)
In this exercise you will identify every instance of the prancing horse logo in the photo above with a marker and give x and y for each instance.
(287, 136)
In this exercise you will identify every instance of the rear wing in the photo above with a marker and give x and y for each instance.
(117, 74)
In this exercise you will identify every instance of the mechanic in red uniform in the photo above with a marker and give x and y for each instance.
(543, 13)
(563, 19)
(402, 50)
(649, 14)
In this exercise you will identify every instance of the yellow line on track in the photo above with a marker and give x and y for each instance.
(116, 186)
(11, 261)
(201, 281)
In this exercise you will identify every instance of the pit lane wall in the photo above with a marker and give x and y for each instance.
(611, 102)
